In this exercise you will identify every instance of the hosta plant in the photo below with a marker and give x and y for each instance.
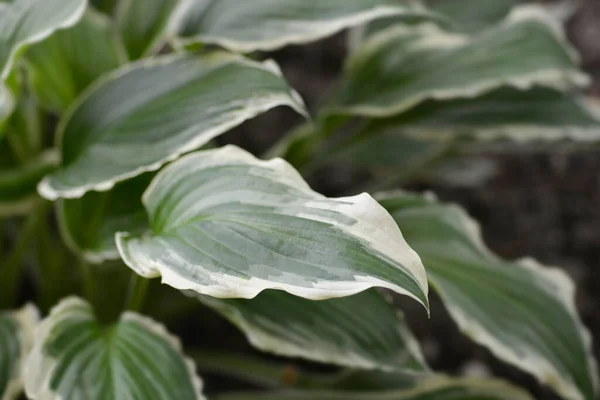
(112, 175)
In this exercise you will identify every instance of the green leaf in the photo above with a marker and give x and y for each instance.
(18, 183)
(16, 337)
(523, 312)
(266, 25)
(106, 6)
(226, 224)
(7, 105)
(64, 64)
(143, 23)
(474, 15)
(401, 67)
(438, 388)
(148, 113)
(536, 114)
(24, 22)
(74, 357)
(88, 225)
(360, 331)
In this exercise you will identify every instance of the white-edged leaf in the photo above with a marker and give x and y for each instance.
(403, 66)
(7, 105)
(16, 338)
(88, 225)
(268, 25)
(143, 23)
(23, 22)
(359, 331)
(536, 114)
(474, 15)
(74, 357)
(437, 388)
(226, 224)
(522, 311)
(148, 113)
(63, 65)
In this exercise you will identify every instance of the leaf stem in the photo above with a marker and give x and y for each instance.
(138, 288)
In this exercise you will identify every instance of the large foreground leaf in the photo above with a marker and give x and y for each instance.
(16, 337)
(88, 225)
(403, 66)
(360, 331)
(76, 358)
(226, 224)
(64, 64)
(268, 25)
(142, 24)
(523, 312)
(151, 112)
(23, 22)
(438, 388)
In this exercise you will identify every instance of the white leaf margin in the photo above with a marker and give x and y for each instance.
(77, 15)
(435, 37)
(39, 367)
(556, 282)
(375, 227)
(7, 105)
(320, 29)
(294, 101)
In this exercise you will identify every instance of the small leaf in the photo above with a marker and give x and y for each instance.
(74, 357)
(88, 225)
(523, 312)
(24, 22)
(16, 337)
(142, 24)
(401, 67)
(148, 113)
(360, 331)
(64, 64)
(267, 25)
(438, 388)
(226, 224)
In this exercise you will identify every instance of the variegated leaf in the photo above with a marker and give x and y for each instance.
(523, 312)
(16, 337)
(148, 113)
(269, 25)
(359, 331)
(226, 224)
(63, 65)
(474, 15)
(7, 105)
(402, 66)
(24, 22)
(74, 357)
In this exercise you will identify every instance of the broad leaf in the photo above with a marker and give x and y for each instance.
(75, 357)
(267, 25)
(16, 337)
(474, 15)
(18, 183)
(23, 22)
(226, 224)
(88, 225)
(438, 388)
(403, 66)
(360, 331)
(146, 114)
(64, 64)
(143, 23)
(536, 114)
(523, 312)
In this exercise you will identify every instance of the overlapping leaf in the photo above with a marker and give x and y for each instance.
(226, 224)
(269, 25)
(360, 331)
(523, 312)
(74, 357)
(89, 224)
(143, 23)
(474, 15)
(16, 336)
(23, 22)
(64, 64)
(151, 112)
(403, 66)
